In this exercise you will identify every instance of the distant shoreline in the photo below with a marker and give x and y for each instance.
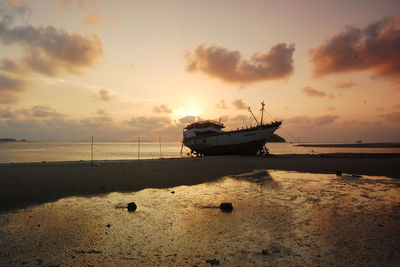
(12, 140)
(355, 145)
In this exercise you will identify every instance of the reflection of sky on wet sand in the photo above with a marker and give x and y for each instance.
(295, 218)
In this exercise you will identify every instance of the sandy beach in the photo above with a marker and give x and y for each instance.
(23, 184)
(290, 210)
(280, 218)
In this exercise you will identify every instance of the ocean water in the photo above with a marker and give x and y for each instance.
(12, 152)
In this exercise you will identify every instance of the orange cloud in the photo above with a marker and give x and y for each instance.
(345, 85)
(239, 104)
(46, 49)
(51, 51)
(376, 48)
(229, 66)
(96, 19)
(309, 91)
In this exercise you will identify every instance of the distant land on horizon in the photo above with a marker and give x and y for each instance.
(11, 140)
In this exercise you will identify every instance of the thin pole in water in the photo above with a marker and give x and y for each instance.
(138, 153)
(159, 139)
(91, 154)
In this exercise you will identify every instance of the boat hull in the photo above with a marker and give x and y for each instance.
(240, 142)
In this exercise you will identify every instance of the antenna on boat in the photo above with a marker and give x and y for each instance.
(262, 111)
(253, 115)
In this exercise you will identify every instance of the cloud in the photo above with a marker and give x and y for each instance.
(44, 111)
(221, 104)
(9, 89)
(7, 114)
(189, 119)
(162, 109)
(9, 65)
(345, 85)
(309, 91)
(239, 104)
(42, 122)
(104, 95)
(9, 9)
(96, 19)
(50, 51)
(392, 117)
(318, 120)
(46, 49)
(101, 119)
(229, 66)
(154, 123)
(39, 111)
(375, 47)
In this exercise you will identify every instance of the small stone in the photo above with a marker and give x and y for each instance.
(213, 261)
(338, 173)
(226, 207)
(132, 207)
(172, 192)
(265, 252)
(108, 225)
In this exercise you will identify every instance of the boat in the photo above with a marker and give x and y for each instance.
(207, 137)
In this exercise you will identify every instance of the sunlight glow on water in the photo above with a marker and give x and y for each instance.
(295, 218)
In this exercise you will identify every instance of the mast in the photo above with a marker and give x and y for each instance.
(262, 111)
(253, 116)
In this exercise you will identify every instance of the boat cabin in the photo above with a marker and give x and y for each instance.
(203, 128)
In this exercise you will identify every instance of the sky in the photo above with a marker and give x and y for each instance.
(120, 69)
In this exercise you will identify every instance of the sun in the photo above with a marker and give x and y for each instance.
(190, 110)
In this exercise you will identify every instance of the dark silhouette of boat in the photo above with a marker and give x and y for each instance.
(208, 138)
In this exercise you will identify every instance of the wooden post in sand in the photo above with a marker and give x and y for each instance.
(91, 154)
(138, 152)
(159, 140)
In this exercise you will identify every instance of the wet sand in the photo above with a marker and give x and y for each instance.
(22, 185)
(279, 218)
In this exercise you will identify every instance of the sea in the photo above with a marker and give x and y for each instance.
(20, 152)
